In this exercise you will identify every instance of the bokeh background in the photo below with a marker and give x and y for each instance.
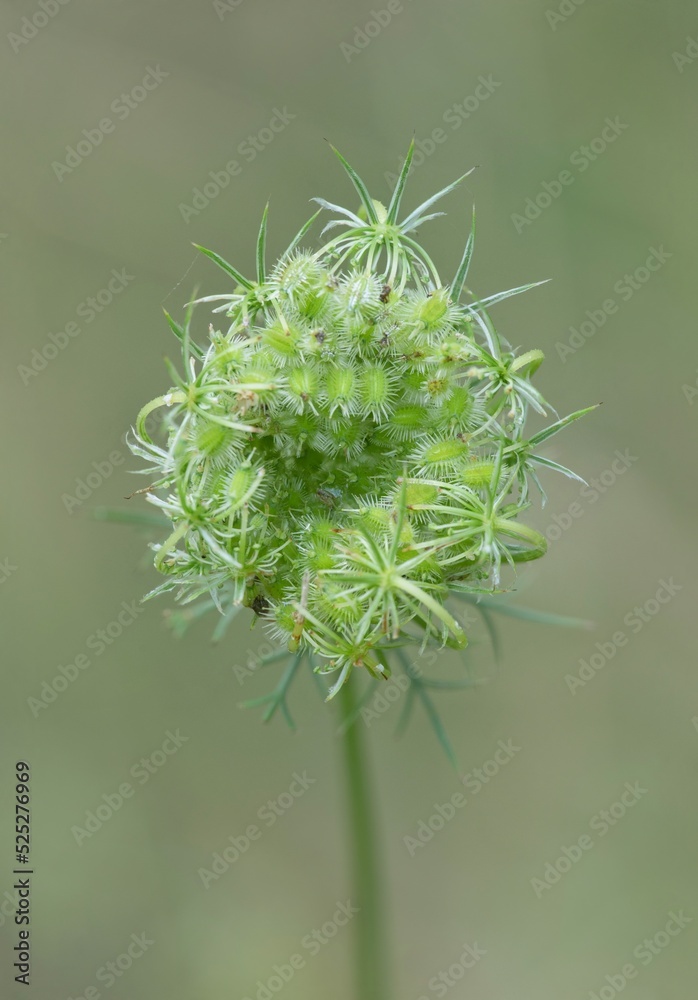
(552, 77)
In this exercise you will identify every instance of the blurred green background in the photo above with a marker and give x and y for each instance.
(536, 84)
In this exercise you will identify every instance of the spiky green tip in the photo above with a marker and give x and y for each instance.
(348, 448)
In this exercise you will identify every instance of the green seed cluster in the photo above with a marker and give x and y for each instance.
(348, 450)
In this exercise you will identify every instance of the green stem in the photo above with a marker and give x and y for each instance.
(371, 972)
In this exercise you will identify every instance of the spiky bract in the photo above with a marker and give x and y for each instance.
(349, 448)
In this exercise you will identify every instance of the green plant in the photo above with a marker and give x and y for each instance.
(344, 455)
(349, 450)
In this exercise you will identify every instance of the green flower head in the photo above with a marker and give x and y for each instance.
(348, 448)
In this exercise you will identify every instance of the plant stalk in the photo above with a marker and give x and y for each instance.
(371, 952)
